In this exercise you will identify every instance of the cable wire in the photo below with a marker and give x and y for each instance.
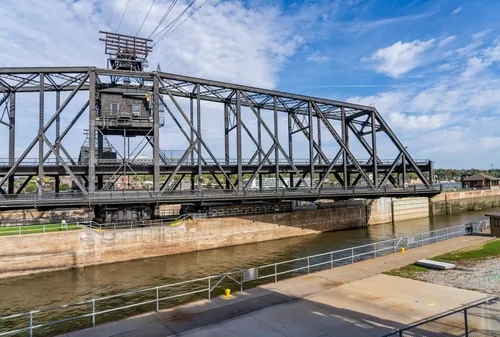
(165, 30)
(172, 4)
(147, 14)
(170, 32)
(123, 15)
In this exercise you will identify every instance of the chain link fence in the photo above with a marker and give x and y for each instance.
(479, 319)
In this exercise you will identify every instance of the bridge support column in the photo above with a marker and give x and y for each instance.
(41, 122)
(12, 139)
(100, 155)
(57, 184)
(92, 129)
(156, 134)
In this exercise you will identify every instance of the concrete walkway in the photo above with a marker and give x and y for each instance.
(352, 300)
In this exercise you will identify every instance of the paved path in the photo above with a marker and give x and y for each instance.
(352, 300)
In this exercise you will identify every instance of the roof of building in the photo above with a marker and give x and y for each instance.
(480, 176)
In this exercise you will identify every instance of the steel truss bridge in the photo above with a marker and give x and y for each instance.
(180, 99)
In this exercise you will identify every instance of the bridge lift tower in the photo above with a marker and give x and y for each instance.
(124, 109)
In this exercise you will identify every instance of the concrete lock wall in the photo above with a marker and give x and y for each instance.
(455, 202)
(28, 254)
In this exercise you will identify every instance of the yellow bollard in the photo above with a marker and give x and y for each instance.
(402, 250)
(228, 293)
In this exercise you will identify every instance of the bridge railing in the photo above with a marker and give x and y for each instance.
(86, 313)
(280, 192)
(174, 161)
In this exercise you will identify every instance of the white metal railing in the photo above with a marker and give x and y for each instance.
(205, 286)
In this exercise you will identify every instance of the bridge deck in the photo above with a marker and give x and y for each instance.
(50, 200)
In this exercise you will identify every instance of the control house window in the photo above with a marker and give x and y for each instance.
(114, 108)
(136, 109)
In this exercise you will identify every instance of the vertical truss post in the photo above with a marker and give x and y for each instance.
(41, 120)
(58, 124)
(374, 150)
(198, 125)
(156, 134)
(226, 133)
(92, 129)
(238, 140)
(259, 136)
(290, 136)
(191, 118)
(318, 125)
(276, 150)
(100, 155)
(311, 140)
(12, 138)
(347, 178)
(403, 165)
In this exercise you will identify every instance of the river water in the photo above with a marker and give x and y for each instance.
(62, 287)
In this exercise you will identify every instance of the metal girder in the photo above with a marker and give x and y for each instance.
(342, 145)
(234, 97)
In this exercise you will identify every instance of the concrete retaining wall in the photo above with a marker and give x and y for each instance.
(45, 252)
(455, 202)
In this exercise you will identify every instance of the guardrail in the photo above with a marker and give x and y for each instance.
(205, 287)
(174, 161)
(480, 318)
(41, 221)
(279, 193)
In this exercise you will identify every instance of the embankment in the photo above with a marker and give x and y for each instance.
(28, 254)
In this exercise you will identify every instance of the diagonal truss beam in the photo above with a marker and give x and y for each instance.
(368, 148)
(63, 163)
(401, 148)
(388, 175)
(276, 141)
(45, 128)
(198, 135)
(305, 131)
(256, 172)
(259, 147)
(335, 135)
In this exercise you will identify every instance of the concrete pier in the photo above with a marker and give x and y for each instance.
(353, 300)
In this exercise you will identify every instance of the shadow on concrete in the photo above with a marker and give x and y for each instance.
(264, 312)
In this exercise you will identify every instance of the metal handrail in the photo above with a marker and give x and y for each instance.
(123, 194)
(351, 255)
(174, 161)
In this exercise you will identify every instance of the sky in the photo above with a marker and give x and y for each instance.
(429, 67)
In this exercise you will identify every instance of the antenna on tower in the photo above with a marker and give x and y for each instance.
(125, 52)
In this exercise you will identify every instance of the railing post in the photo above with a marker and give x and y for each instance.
(275, 273)
(466, 323)
(19, 230)
(375, 249)
(447, 234)
(308, 266)
(44, 228)
(157, 299)
(93, 312)
(331, 260)
(31, 323)
(352, 255)
(209, 289)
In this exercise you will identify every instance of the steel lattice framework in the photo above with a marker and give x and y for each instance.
(306, 115)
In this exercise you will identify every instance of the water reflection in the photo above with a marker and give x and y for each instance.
(62, 287)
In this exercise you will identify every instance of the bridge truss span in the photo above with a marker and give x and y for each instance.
(307, 144)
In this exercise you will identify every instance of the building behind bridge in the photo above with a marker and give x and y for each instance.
(480, 180)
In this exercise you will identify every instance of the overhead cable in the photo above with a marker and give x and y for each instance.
(172, 4)
(147, 14)
(123, 15)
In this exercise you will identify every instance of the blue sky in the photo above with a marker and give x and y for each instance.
(430, 67)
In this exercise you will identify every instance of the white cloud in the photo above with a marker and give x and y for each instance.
(446, 40)
(317, 57)
(456, 10)
(480, 34)
(400, 58)
(451, 114)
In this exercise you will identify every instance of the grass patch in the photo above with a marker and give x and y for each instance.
(489, 250)
(409, 271)
(36, 229)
